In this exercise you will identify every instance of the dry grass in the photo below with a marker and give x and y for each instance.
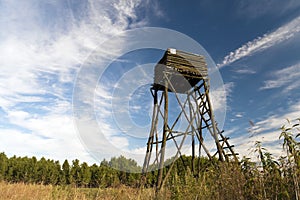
(23, 191)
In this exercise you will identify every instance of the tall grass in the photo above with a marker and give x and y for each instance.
(21, 191)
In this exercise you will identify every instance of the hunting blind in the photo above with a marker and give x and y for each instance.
(182, 74)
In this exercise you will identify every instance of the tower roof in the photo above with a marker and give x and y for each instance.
(184, 70)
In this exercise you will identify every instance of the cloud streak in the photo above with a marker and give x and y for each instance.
(289, 78)
(281, 34)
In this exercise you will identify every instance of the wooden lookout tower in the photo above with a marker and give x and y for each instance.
(180, 74)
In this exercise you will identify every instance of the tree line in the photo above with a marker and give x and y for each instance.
(45, 171)
(117, 171)
(266, 178)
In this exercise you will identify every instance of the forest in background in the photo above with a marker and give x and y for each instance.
(270, 178)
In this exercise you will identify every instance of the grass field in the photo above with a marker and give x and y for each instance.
(23, 191)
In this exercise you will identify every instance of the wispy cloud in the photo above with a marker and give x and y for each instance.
(289, 78)
(42, 45)
(220, 95)
(239, 115)
(281, 34)
(260, 8)
(245, 71)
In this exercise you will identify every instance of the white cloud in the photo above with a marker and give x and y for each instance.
(281, 34)
(245, 71)
(239, 115)
(219, 95)
(42, 46)
(120, 142)
(288, 77)
(52, 136)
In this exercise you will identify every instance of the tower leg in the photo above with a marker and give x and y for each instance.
(164, 139)
(151, 137)
(193, 131)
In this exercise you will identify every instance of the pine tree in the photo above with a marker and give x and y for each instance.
(85, 174)
(65, 179)
(3, 166)
(75, 173)
(96, 176)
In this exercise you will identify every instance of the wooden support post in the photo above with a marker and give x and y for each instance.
(151, 136)
(193, 134)
(164, 139)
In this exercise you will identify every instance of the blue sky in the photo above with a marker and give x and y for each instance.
(45, 45)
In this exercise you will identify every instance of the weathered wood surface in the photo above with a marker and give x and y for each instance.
(183, 69)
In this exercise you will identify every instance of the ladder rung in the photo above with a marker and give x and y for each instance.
(206, 121)
(230, 154)
(223, 139)
(206, 126)
(200, 97)
(154, 142)
(228, 147)
(205, 112)
(220, 132)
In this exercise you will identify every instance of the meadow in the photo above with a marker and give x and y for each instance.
(17, 191)
(267, 178)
